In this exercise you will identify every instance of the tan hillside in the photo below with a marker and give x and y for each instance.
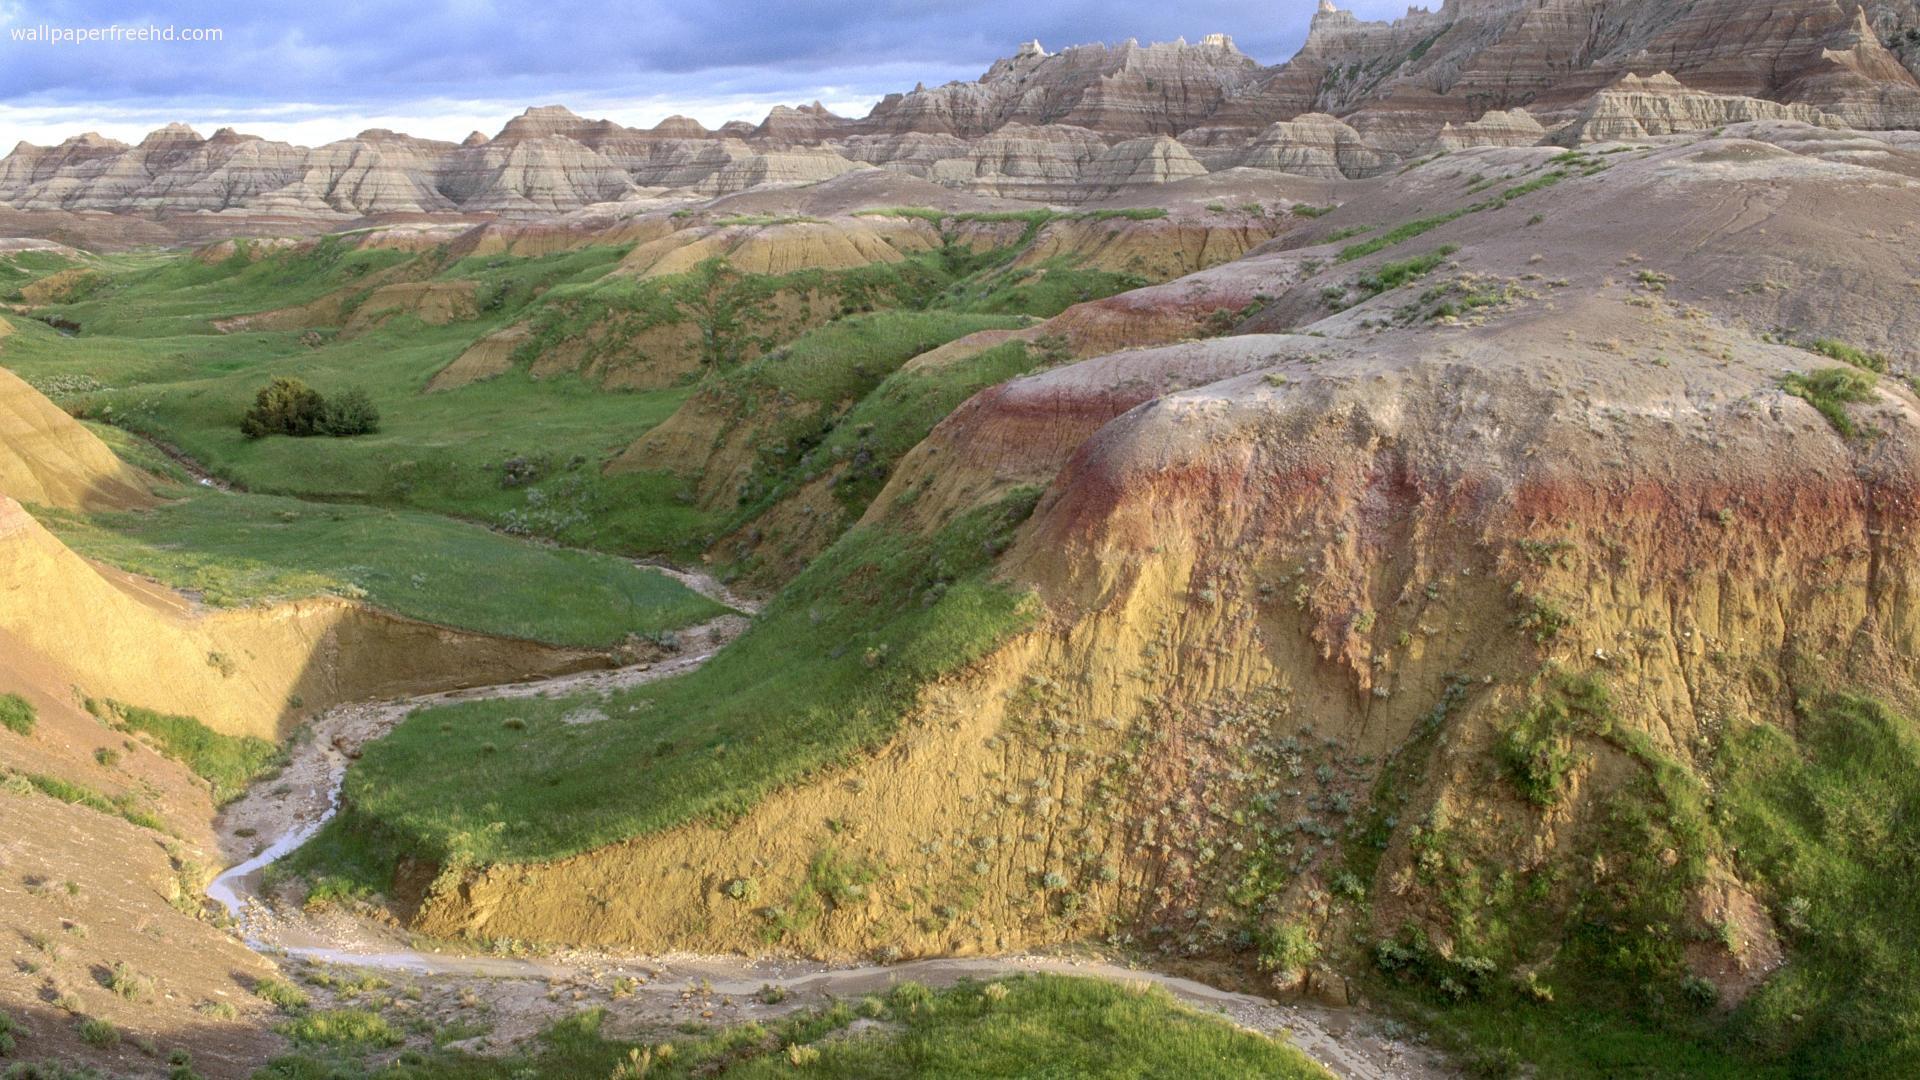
(47, 458)
(247, 671)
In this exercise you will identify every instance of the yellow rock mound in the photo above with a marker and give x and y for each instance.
(251, 670)
(49, 459)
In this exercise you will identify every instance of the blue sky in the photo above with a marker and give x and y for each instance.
(310, 72)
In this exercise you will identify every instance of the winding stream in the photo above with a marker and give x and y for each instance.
(287, 811)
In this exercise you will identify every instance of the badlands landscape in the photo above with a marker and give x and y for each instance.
(1394, 562)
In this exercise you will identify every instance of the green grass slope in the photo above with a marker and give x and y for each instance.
(826, 671)
(235, 548)
(1818, 820)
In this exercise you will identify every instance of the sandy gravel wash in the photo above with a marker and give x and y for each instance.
(277, 816)
(525, 994)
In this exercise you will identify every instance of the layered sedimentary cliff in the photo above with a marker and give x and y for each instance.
(1090, 121)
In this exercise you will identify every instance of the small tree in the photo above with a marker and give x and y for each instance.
(350, 413)
(285, 406)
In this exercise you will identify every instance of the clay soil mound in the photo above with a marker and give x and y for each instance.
(47, 458)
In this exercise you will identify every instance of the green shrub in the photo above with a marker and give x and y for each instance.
(1544, 180)
(1847, 354)
(282, 993)
(288, 406)
(1537, 745)
(17, 714)
(128, 983)
(50, 1070)
(350, 413)
(1392, 275)
(342, 1027)
(180, 1066)
(285, 406)
(99, 1033)
(1831, 390)
(1288, 946)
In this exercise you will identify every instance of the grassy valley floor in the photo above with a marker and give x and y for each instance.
(232, 548)
(176, 346)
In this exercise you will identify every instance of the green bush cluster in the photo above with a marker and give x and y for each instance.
(1831, 390)
(1537, 745)
(288, 406)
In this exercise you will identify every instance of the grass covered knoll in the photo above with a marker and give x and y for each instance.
(1817, 819)
(149, 359)
(826, 672)
(448, 453)
(852, 408)
(235, 548)
(17, 268)
(164, 294)
(892, 420)
(845, 359)
(1023, 1026)
(1827, 821)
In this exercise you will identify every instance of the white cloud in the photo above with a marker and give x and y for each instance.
(312, 125)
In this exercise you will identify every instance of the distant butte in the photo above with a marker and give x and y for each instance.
(1358, 98)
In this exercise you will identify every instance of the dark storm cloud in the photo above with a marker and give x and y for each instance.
(379, 51)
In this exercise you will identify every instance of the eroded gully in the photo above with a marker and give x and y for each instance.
(279, 815)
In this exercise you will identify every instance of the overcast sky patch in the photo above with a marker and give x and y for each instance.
(311, 73)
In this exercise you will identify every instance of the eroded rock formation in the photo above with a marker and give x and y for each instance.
(1091, 120)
